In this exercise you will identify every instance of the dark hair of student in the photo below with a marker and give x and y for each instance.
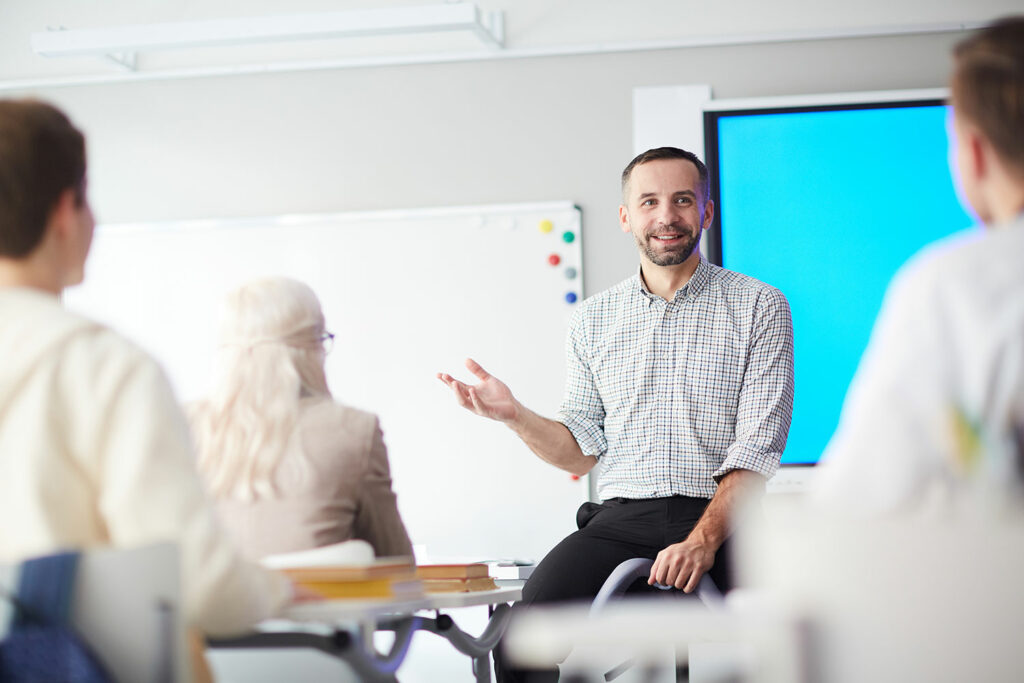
(659, 153)
(41, 155)
(988, 86)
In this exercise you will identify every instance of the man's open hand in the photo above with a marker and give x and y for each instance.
(489, 398)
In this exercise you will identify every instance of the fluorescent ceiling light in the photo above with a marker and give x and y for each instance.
(123, 42)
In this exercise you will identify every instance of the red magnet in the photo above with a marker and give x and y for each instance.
(554, 259)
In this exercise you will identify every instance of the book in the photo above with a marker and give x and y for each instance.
(381, 588)
(348, 561)
(451, 571)
(402, 570)
(349, 570)
(477, 583)
(348, 553)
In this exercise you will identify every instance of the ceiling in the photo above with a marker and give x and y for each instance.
(531, 28)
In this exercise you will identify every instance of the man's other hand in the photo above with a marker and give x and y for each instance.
(682, 564)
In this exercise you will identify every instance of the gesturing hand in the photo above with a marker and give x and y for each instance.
(490, 397)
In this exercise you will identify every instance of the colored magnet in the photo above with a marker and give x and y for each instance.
(574, 477)
(570, 297)
(569, 237)
(570, 273)
(554, 259)
(545, 226)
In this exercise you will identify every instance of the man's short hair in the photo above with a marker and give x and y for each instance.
(988, 86)
(41, 155)
(669, 153)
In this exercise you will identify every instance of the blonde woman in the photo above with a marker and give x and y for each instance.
(289, 467)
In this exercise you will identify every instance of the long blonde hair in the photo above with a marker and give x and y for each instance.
(271, 355)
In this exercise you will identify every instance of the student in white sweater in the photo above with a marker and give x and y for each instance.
(936, 408)
(94, 450)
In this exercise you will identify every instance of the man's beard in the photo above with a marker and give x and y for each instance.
(673, 256)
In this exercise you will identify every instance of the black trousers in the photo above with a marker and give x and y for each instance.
(609, 533)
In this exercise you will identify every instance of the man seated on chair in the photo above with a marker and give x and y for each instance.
(938, 399)
(680, 390)
(94, 450)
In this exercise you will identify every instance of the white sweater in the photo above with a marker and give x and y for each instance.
(948, 342)
(94, 451)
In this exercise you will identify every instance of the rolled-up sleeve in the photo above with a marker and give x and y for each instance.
(582, 410)
(765, 406)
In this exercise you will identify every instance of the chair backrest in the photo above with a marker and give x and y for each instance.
(893, 600)
(126, 605)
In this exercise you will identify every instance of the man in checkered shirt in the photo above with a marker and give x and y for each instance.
(680, 391)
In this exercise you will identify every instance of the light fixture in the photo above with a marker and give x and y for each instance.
(122, 43)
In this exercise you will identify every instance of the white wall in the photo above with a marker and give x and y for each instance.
(519, 130)
(436, 134)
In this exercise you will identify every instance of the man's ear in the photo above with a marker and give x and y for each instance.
(979, 159)
(63, 213)
(976, 151)
(709, 214)
(624, 218)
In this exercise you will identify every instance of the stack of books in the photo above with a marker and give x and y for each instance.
(349, 571)
(455, 578)
(382, 579)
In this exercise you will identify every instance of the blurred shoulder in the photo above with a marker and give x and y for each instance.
(324, 414)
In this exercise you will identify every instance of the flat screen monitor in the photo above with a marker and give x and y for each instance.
(825, 198)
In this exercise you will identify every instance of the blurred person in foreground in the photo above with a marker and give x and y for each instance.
(938, 399)
(94, 450)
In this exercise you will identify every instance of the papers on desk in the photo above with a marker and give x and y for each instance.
(510, 570)
(347, 554)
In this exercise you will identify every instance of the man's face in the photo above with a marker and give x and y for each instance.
(664, 212)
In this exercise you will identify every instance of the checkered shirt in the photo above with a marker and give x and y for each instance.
(672, 395)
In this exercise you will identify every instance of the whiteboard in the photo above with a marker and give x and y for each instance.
(407, 294)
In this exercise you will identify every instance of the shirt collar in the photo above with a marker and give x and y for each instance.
(699, 279)
(692, 288)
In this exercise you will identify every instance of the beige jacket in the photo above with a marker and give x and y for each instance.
(94, 451)
(334, 484)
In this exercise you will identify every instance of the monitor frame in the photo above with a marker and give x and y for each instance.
(713, 110)
(792, 477)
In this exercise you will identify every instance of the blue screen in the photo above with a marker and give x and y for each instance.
(826, 205)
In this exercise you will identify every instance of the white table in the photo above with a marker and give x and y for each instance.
(657, 634)
(345, 628)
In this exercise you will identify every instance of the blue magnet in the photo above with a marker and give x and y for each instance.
(570, 297)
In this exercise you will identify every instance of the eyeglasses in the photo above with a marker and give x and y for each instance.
(327, 339)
